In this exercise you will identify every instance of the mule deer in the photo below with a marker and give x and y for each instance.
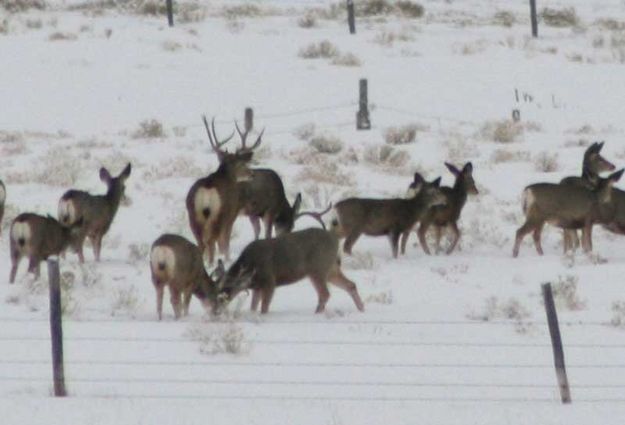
(38, 238)
(3, 196)
(447, 215)
(97, 211)
(213, 202)
(565, 206)
(384, 217)
(267, 263)
(592, 165)
(177, 263)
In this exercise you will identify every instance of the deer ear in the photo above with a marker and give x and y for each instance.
(452, 168)
(105, 176)
(468, 168)
(436, 182)
(614, 177)
(297, 203)
(418, 178)
(246, 156)
(126, 173)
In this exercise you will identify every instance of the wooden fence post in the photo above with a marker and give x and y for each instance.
(362, 116)
(351, 17)
(56, 327)
(556, 342)
(249, 119)
(170, 12)
(533, 18)
(516, 115)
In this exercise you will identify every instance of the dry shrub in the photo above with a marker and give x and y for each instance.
(125, 301)
(502, 131)
(503, 155)
(328, 144)
(545, 162)
(332, 12)
(325, 171)
(323, 49)
(565, 293)
(386, 156)
(149, 129)
(388, 38)
(171, 46)
(460, 149)
(504, 18)
(243, 11)
(610, 24)
(309, 20)
(190, 12)
(373, 7)
(560, 18)
(409, 9)
(510, 310)
(346, 59)
(385, 298)
(16, 6)
(62, 36)
(305, 131)
(401, 135)
(176, 167)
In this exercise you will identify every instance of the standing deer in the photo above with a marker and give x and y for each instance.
(267, 263)
(567, 207)
(213, 202)
(177, 263)
(385, 217)
(3, 197)
(37, 238)
(447, 215)
(592, 165)
(97, 211)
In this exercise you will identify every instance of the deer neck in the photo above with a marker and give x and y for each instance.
(590, 176)
(114, 196)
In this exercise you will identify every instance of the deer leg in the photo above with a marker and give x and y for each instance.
(268, 222)
(210, 245)
(537, 237)
(33, 265)
(337, 278)
(351, 240)
(159, 300)
(266, 296)
(255, 225)
(174, 296)
(566, 240)
(456, 237)
(322, 292)
(15, 261)
(97, 246)
(527, 227)
(186, 301)
(423, 229)
(404, 239)
(256, 293)
(224, 241)
(587, 237)
(394, 239)
(438, 232)
(575, 240)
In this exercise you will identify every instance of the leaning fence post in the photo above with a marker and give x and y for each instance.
(556, 342)
(362, 116)
(351, 18)
(533, 18)
(170, 12)
(249, 119)
(56, 327)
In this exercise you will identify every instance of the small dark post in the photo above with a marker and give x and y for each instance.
(170, 12)
(249, 119)
(362, 116)
(516, 115)
(556, 342)
(351, 18)
(533, 18)
(56, 327)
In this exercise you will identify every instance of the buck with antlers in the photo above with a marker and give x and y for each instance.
(448, 214)
(385, 217)
(97, 211)
(213, 202)
(592, 165)
(268, 263)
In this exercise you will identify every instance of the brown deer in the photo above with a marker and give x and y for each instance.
(38, 237)
(592, 165)
(177, 263)
(3, 197)
(96, 211)
(384, 217)
(567, 207)
(213, 202)
(267, 263)
(448, 214)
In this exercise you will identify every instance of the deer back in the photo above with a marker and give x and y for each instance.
(41, 236)
(264, 194)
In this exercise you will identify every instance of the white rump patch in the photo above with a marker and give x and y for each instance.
(3, 194)
(21, 230)
(207, 199)
(163, 255)
(529, 199)
(67, 209)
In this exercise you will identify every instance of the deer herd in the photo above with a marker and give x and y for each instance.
(214, 202)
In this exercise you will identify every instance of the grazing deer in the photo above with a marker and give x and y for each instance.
(39, 237)
(447, 215)
(592, 165)
(213, 202)
(567, 207)
(3, 197)
(97, 211)
(177, 263)
(263, 197)
(385, 217)
(267, 263)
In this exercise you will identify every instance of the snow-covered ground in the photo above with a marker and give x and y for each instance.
(444, 339)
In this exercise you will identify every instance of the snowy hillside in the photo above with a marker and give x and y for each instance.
(444, 339)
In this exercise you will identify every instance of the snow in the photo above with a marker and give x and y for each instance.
(421, 351)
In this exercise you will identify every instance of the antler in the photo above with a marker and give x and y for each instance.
(243, 136)
(316, 215)
(212, 138)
